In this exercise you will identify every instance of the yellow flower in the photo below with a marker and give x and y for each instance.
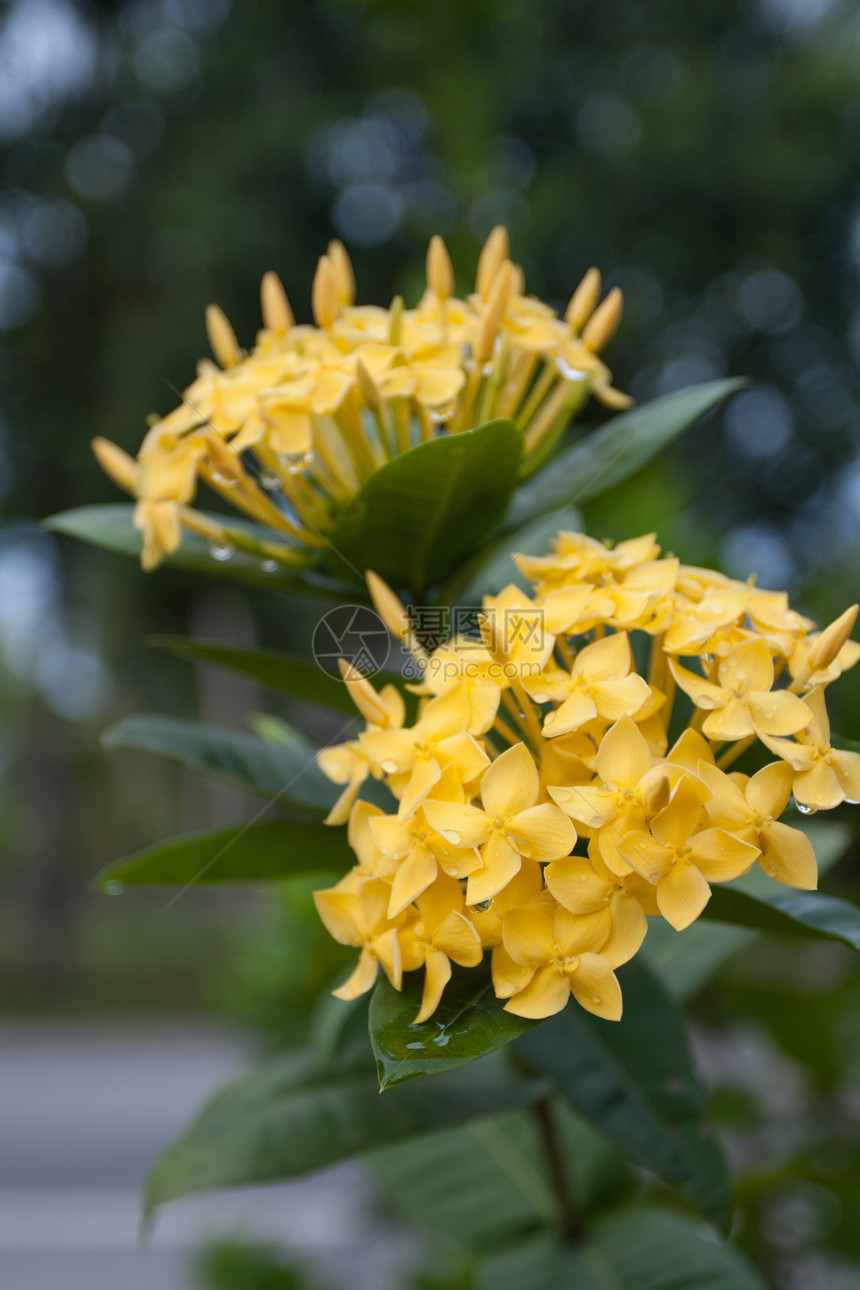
(442, 934)
(511, 827)
(562, 953)
(359, 918)
(438, 739)
(742, 703)
(349, 763)
(679, 860)
(584, 885)
(823, 776)
(750, 809)
(600, 684)
(314, 410)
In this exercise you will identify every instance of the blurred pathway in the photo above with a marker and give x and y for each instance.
(84, 1111)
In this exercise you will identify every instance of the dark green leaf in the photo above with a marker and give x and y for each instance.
(288, 775)
(618, 449)
(295, 677)
(469, 1022)
(638, 1249)
(429, 509)
(634, 1081)
(493, 569)
(685, 961)
(265, 852)
(298, 1113)
(482, 1182)
(109, 526)
(786, 912)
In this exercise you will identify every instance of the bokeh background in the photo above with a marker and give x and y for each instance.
(157, 156)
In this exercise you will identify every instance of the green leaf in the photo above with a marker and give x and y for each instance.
(685, 961)
(295, 677)
(109, 526)
(637, 1249)
(423, 513)
(634, 1081)
(266, 852)
(615, 451)
(786, 912)
(299, 1113)
(491, 570)
(469, 1023)
(482, 1182)
(288, 775)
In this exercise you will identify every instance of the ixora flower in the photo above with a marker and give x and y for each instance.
(289, 432)
(541, 816)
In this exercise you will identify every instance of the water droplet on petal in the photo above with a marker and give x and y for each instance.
(772, 870)
(114, 888)
(804, 809)
(583, 877)
(452, 836)
(269, 481)
(596, 998)
(390, 767)
(269, 566)
(220, 550)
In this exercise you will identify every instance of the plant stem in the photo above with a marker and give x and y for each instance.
(571, 1226)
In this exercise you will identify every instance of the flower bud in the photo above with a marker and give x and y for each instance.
(440, 273)
(116, 464)
(222, 337)
(495, 252)
(363, 695)
(275, 307)
(343, 274)
(584, 300)
(831, 640)
(601, 326)
(324, 296)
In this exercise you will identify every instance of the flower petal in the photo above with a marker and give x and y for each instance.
(788, 856)
(458, 823)
(721, 856)
(629, 926)
(542, 832)
(608, 659)
(527, 935)
(576, 886)
(362, 978)
(546, 994)
(818, 787)
(777, 712)
(437, 974)
(413, 877)
(573, 713)
(459, 939)
(770, 788)
(595, 987)
(682, 895)
(615, 699)
(500, 863)
(508, 977)
(623, 756)
(511, 783)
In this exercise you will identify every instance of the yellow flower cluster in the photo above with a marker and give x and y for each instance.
(541, 813)
(289, 432)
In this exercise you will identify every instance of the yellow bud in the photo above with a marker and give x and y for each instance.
(324, 299)
(584, 300)
(363, 695)
(225, 461)
(118, 465)
(600, 327)
(496, 250)
(395, 314)
(657, 795)
(275, 307)
(440, 274)
(344, 276)
(831, 640)
(222, 337)
(367, 385)
(485, 337)
(518, 281)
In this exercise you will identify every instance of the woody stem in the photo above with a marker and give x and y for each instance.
(571, 1226)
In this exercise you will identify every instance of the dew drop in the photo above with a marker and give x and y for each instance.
(114, 888)
(452, 836)
(220, 550)
(717, 606)
(596, 998)
(223, 481)
(390, 767)
(570, 373)
(443, 412)
(804, 809)
(269, 566)
(772, 870)
(270, 482)
(583, 877)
